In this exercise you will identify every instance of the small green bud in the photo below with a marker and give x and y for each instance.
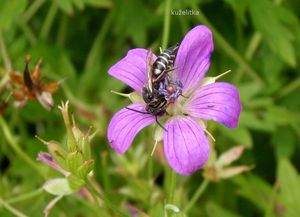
(56, 150)
(85, 168)
(74, 160)
(75, 183)
(71, 141)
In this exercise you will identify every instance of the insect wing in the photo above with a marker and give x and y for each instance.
(149, 69)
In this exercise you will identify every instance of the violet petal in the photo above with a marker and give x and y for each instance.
(193, 57)
(125, 124)
(132, 69)
(218, 101)
(185, 144)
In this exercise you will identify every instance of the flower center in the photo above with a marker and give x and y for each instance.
(170, 90)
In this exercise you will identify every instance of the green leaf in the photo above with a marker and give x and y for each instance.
(276, 34)
(58, 186)
(284, 142)
(239, 135)
(10, 10)
(281, 116)
(256, 190)
(289, 188)
(214, 210)
(255, 121)
(248, 90)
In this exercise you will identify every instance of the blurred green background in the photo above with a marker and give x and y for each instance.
(259, 40)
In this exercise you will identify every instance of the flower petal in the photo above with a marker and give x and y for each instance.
(218, 101)
(193, 57)
(132, 69)
(125, 124)
(185, 144)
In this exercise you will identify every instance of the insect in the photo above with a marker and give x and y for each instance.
(158, 88)
(157, 76)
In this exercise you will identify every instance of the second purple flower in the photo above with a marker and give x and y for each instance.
(186, 146)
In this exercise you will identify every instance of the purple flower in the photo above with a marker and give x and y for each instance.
(186, 146)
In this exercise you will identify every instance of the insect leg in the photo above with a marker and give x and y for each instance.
(137, 111)
(159, 124)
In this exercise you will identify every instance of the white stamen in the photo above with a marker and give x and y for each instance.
(154, 147)
(224, 73)
(210, 135)
(120, 94)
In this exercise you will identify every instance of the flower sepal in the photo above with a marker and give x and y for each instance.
(56, 151)
(85, 169)
(74, 160)
(135, 97)
(218, 168)
(211, 80)
(58, 186)
(75, 182)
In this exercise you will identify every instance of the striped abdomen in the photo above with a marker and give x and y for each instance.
(164, 61)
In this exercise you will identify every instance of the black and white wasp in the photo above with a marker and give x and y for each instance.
(158, 77)
(159, 90)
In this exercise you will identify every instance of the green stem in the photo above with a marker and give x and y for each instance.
(106, 201)
(172, 186)
(167, 21)
(11, 209)
(48, 21)
(197, 195)
(4, 54)
(227, 47)
(25, 196)
(15, 146)
(33, 8)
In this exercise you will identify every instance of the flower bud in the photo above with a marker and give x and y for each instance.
(71, 141)
(74, 160)
(56, 150)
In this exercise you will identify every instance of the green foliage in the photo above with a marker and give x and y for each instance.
(259, 40)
